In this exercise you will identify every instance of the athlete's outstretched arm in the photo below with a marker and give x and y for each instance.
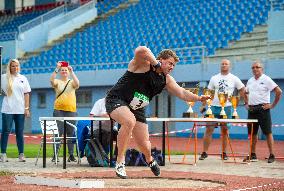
(144, 55)
(174, 89)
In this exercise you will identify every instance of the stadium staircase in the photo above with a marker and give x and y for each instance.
(251, 46)
(101, 17)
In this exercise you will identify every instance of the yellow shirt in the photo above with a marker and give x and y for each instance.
(67, 100)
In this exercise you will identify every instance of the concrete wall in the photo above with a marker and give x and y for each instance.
(2, 5)
(9, 49)
(276, 26)
(32, 39)
(100, 81)
(18, 4)
(182, 73)
(69, 23)
(29, 3)
(87, 78)
(52, 29)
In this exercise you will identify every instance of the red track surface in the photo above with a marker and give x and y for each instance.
(230, 182)
(180, 144)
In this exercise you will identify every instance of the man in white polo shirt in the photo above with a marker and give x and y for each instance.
(258, 90)
(224, 82)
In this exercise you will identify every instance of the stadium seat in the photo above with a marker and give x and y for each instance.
(188, 23)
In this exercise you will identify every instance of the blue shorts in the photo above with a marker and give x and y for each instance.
(216, 112)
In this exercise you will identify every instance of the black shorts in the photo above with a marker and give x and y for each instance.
(113, 102)
(263, 117)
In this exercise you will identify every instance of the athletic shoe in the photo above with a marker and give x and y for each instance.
(225, 156)
(120, 170)
(203, 156)
(53, 159)
(72, 159)
(253, 158)
(271, 158)
(155, 168)
(22, 157)
(3, 158)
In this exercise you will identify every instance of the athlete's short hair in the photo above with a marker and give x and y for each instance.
(167, 53)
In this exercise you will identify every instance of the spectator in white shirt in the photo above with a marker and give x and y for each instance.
(223, 82)
(15, 107)
(99, 110)
(258, 104)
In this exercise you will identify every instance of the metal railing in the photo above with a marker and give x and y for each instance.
(187, 55)
(39, 20)
(8, 36)
(51, 14)
(74, 13)
(76, 67)
(191, 55)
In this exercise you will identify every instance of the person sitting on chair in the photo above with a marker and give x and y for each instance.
(98, 110)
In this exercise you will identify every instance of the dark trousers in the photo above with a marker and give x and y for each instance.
(70, 131)
(263, 117)
(7, 123)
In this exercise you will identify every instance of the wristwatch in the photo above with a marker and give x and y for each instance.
(158, 65)
(56, 70)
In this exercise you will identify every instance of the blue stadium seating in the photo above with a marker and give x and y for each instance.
(17, 20)
(106, 5)
(277, 5)
(165, 24)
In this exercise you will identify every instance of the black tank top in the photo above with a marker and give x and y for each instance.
(138, 89)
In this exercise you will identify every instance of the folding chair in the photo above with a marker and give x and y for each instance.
(53, 137)
(76, 140)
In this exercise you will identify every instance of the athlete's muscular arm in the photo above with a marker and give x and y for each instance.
(174, 89)
(144, 55)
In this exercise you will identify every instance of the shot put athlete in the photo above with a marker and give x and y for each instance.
(125, 102)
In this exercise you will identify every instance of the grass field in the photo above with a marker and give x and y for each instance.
(31, 151)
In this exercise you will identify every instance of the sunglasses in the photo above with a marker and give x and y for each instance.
(255, 67)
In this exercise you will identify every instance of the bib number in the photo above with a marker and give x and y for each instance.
(139, 101)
